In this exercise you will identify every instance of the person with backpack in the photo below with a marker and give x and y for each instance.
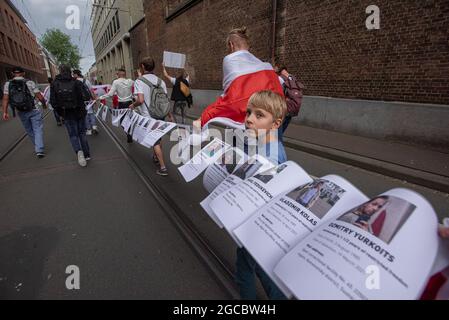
(152, 101)
(24, 96)
(66, 96)
(88, 97)
(181, 94)
(59, 120)
(293, 91)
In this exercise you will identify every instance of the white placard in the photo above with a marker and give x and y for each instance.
(174, 60)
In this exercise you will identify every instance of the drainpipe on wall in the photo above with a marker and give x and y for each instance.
(273, 31)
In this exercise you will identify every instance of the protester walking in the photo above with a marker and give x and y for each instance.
(152, 101)
(24, 96)
(181, 94)
(88, 97)
(66, 97)
(123, 88)
(59, 120)
(243, 75)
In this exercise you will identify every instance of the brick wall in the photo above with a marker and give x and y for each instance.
(325, 43)
(139, 48)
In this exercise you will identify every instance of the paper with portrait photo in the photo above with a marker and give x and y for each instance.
(225, 165)
(100, 109)
(104, 113)
(274, 230)
(141, 129)
(128, 120)
(117, 115)
(237, 204)
(381, 250)
(208, 155)
(156, 132)
(139, 121)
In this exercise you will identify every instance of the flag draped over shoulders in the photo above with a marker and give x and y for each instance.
(244, 75)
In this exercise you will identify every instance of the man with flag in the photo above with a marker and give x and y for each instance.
(244, 75)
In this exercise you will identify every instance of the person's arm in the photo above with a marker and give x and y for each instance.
(140, 100)
(41, 98)
(111, 92)
(138, 92)
(36, 93)
(5, 102)
(168, 77)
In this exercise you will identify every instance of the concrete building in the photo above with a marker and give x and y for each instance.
(386, 83)
(18, 45)
(111, 22)
(92, 74)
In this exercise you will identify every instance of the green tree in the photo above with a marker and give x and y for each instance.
(61, 47)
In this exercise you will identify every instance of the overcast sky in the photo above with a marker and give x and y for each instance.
(46, 14)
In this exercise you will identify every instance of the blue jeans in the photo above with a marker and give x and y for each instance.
(34, 127)
(247, 269)
(91, 121)
(77, 134)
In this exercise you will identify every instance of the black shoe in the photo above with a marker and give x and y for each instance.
(156, 160)
(40, 155)
(162, 172)
(59, 124)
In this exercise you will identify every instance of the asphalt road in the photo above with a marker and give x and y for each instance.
(101, 219)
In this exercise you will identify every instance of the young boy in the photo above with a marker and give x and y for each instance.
(265, 113)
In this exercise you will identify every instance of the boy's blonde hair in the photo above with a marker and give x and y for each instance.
(271, 102)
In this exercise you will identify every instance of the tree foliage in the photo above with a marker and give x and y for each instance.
(61, 47)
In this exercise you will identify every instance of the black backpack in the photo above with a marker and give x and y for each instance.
(20, 97)
(66, 94)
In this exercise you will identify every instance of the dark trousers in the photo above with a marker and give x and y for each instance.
(77, 134)
(125, 105)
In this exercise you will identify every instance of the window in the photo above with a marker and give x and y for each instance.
(175, 8)
(117, 21)
(2, 45)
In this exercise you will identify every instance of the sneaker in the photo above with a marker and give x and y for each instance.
(59, 124)
(40, 155)
(81, 159)
(155, 160)
(88, 132)
(88, 158)
(95, 130)
(162, 172)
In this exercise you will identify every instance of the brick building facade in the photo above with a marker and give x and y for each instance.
(18, 45)
(326, 43)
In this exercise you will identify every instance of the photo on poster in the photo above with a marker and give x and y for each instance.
(248, 169)
(319, 196)
(267, 176)
(156, 125)
(229, 161)
(382, 217)
(164, 126)
(213, 149)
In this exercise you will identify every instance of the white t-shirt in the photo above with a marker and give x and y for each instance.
(31, 87)
(141, 88)
(123, 88)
